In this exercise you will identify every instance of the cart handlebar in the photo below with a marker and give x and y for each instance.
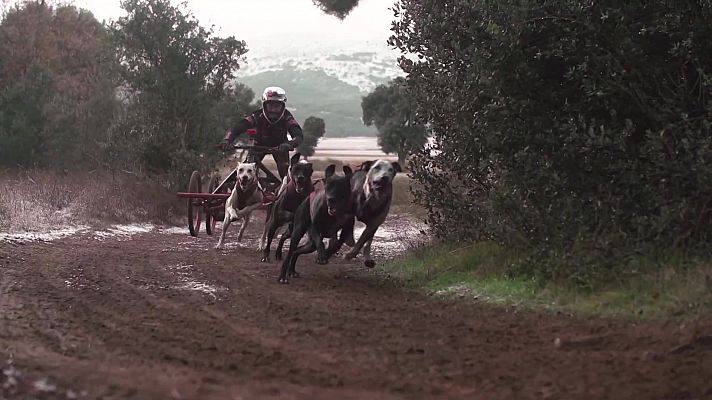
(261, 149)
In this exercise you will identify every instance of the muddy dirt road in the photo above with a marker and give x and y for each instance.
(161, 315)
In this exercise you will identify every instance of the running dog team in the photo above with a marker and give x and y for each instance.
(325, 210)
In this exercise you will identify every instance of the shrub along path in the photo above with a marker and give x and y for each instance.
(163, 315)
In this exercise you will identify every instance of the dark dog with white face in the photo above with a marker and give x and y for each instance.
(371, 196)
(296, 187)
(245, 198)
(322, 214)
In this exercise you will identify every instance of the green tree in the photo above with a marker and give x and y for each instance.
(314, 129)
(578, 130)
(21, 117)
(337, 8)
(389, 108)
(67, 50)
(175, 73)
(238, 102)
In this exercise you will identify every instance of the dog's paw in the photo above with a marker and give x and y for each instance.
(283, 280)
(294, 274)
(322, 260)
(369, 263)
(264, 259)
(349, 256)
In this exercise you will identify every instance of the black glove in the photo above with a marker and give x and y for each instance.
(285, 147)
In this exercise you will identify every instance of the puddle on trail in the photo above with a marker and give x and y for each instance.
(54, 234)
(122, 232)
(398, 234)
(119, 232)
(188, 282)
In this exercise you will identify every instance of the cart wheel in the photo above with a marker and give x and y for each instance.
(195, 206)
(210, 219)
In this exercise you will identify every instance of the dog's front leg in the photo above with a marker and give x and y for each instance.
(318, 242)
(249, 209)
(245, 215)
(367, 261)
(225, 224)
(346, 231)
(245, 221)
(263, 239)
(301, 223)
(285, 235)
(365, 236)
(231, 213)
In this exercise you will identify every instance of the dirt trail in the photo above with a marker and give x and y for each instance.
(161, 315)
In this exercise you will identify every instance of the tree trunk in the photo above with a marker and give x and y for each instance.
(401, 158)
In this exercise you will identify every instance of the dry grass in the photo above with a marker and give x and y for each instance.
(34, 199)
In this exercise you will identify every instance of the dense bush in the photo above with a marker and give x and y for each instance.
(56, 86)
(580, 130)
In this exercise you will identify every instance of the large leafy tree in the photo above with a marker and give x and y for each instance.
(175, 72)
(389, 108)
(56, 83)
(314, 129)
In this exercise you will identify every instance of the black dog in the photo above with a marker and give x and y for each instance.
(322, 215)
(296, 187)
(371, 195)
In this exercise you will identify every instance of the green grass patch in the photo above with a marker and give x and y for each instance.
(482, 271)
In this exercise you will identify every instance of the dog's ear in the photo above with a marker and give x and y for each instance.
(396, 166)
(366, 165)
(329, 171)
(295, 159)
(347, 170)
(308, 169)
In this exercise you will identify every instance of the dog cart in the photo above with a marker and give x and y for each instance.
(209, 206)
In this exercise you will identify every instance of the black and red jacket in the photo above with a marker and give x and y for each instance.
(267, 134)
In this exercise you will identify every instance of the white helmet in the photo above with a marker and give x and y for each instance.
(274, 102)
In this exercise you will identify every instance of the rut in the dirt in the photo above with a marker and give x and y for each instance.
(163, 315)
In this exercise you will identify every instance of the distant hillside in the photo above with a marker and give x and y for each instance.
(313, 92)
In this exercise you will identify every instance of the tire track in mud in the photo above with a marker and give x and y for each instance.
(165, 316)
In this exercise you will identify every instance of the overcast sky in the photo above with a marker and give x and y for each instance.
(274, 26)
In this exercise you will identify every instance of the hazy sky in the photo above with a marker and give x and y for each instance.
(277, 26)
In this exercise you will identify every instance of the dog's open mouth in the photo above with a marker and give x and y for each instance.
(331, 210)
(377, 185)
(299, 189)
(245, 184)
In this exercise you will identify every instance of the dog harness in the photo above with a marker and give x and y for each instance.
(243, 196)
(292, 199)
